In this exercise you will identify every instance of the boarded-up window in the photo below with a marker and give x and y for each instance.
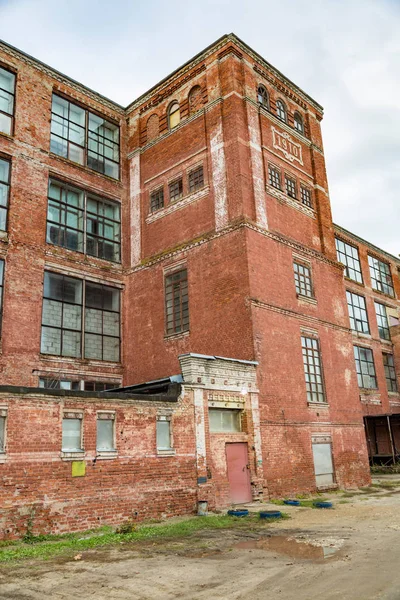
(195, 99)
(153, 128)
(224, 420)
(323, 466)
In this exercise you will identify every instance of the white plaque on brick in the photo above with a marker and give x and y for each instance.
(284, 142)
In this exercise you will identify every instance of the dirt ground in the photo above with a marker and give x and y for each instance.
(349, 553)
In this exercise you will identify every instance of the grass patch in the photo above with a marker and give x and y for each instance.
(47, 546)
(343, 502)
(277, 502)
(369, 490)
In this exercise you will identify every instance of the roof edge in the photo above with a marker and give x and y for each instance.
(363, 241)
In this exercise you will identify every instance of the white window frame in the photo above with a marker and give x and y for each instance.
(165, 451)
(111, 416)
(72, 454)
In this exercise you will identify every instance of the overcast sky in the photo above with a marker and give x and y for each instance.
(344, 53)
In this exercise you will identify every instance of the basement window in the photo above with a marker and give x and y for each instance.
(7, 97)
(224, 420)
(72, 433)
(105, 441)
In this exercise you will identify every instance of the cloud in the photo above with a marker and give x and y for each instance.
(344, 53)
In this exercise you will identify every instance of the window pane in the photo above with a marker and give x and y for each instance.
(105, 434)
(224, 420)
(348, 256)
(71, 435)
(2, 433)
(163, 435)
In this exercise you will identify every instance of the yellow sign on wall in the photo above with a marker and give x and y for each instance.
(78, 468)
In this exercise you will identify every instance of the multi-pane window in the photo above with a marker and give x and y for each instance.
(298, 123)
(313, 369)
(3, 417)
(291, 187)
(84, 138)
(382, 319)
(156, 199)
(64, 320)
(390, 373)
(224, 420)
(196, 179)
(348, 256)
(274, 177)
(105, 439)
(174, 115)
(381, 277)
(4, 192)
(177, 302)
(175, 190)
(163, 433)
(262, 96)
(302, 278)
(7, 98)
(1, 291)
(52, 383)
(365, 368)
(98, 386)
(281, 111)
(72, 434)
(357, 312)
(305, 194)
(83, 222)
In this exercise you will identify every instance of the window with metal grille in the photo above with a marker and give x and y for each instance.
(291, 187)
(5, 171)
(64, 321)
(357, 312)
(302, 278)
(365, 368)
(298, 122)
(383, 322)
(157, 199)
(84, 138)
(305, 194)
(281, 111)
(348, 256)
(381, 278)
(263, 97)
(69, 208)
(196, 179)
(274, 177)
(313, 369)
(390, 373)
(177, 302)
(175, 190)
(7, 100)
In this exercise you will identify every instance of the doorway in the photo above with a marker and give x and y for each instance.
(237, 461)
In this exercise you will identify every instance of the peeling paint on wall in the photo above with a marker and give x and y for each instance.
(219, 176)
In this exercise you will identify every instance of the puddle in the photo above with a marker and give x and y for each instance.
(290, 547)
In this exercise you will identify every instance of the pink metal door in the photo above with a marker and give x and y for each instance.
(237, 460)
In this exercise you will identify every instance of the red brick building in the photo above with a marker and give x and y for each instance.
(147, 242)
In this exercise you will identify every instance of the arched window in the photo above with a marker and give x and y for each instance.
(281, 111)
(152, 127)
(174, 115)
(195, 99)
(262, 96)
(298, 122)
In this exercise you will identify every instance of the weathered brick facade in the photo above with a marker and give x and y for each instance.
(230, 189)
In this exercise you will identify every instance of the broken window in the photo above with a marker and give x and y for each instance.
(305, 194)
(348, 256)
(291, 187)
(323, 465)
(174, 115)
(274, 177)
(196, 179)
(156, 199)
(7, 98)
(357, 312)
(365, 368)
(84, 138)
(302, 278)
(3, 418)
(177, 302)
(63, 319)
(224, 420)
(381, 278)
(390, 373)
(163, 433)
(5, 172)
(382, 320)
(175, 190)
(72, 433)
(313, 369)
(105, 441)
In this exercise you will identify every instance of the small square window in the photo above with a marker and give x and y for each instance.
(157, 199)
(163, 433)
(175, 190)
(72, 434)
(196, 179)
(105, 432)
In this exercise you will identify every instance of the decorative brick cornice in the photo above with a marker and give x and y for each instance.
(346, 235)
(283, 198)
(280, 86)
(230, 50)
